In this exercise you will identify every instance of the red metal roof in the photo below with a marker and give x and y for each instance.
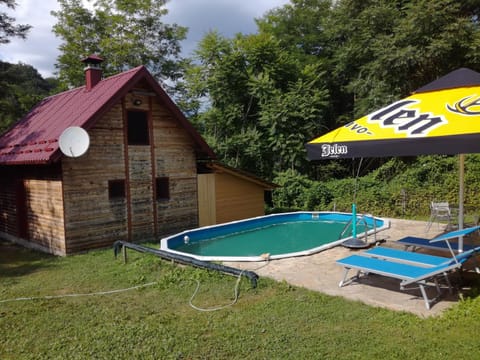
(34, 139)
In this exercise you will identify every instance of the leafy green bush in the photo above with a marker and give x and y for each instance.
(298, 192)
(318, 197)
(406, 186)
(401, 187)
(292, 188)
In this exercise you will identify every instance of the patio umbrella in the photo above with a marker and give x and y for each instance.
(442, 117)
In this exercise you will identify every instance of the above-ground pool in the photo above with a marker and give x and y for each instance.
(273, 236)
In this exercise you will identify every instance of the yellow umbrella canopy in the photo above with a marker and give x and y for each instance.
(442, 117)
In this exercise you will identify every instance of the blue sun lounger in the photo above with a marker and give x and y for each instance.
(407, 257)
(407, 273)
(417, 242)
(419, 259)
(409, 267)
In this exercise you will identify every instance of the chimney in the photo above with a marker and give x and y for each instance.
(93, 71)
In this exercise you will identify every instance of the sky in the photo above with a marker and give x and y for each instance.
(40, 49)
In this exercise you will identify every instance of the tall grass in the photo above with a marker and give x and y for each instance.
(273, 321)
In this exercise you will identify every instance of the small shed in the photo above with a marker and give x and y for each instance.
(228, 194)
(137, 181)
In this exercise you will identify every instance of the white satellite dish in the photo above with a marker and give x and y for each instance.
(74, 141)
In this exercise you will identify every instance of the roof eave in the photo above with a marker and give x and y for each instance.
(215, 165)
(204, 152)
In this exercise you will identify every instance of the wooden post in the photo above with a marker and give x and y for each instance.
(124, 251)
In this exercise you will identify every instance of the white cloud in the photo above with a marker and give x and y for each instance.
(40, 49)
(228, 17)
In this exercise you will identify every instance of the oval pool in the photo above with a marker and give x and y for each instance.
(272, 236)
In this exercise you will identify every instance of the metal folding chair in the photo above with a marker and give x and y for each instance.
(439, 211)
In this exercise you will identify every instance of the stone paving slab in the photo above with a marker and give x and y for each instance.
(319, 272)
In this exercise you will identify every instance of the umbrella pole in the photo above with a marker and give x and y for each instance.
(461, 191)
(354, 204)
(354, 242)
(354, 220)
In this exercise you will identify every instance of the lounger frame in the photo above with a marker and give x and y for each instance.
(409, 267)
(414, 243)
(424, 276)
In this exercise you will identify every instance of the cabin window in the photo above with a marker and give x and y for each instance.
(116, 189)
(137, 128)
(163, 188)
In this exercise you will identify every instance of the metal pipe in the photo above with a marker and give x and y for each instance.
(186, 260)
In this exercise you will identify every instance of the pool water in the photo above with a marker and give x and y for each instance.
(272, 239)
(278, 235)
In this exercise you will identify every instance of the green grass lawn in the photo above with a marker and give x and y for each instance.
(273, 321)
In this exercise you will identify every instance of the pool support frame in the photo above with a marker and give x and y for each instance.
(182, 259)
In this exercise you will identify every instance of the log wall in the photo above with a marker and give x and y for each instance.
(141, 193)
(92, 220)
(174, 158)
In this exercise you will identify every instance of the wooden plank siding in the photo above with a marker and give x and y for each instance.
(174, 158)
(141, 193)
(44, 203)
(237, 199)
(31, 207)
(92, 220)
(68, 208)
(207, 212)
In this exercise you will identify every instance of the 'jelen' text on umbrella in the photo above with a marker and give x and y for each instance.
(404, 119)
(334, 150)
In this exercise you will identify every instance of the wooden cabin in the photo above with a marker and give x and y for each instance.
(137, 181)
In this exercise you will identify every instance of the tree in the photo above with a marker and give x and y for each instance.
(386, 49)
(299, 26)
(317, 64)
(374, 52)
(302, 28)
(260, 103)
(21, 87)
(126, 33)
(8, 28)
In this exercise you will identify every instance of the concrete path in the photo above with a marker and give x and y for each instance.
(320, 273)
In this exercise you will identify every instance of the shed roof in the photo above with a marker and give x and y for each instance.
(219, 167)
(34, 139)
